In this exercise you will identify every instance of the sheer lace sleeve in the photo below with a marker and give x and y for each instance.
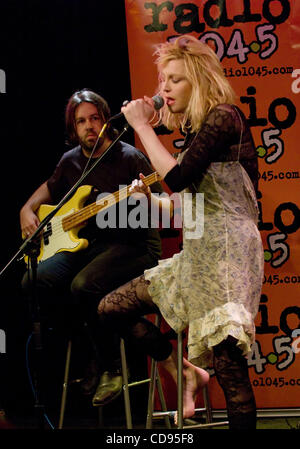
(218, 140)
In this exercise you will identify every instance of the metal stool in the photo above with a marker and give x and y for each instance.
(153, 380)
(180, 421)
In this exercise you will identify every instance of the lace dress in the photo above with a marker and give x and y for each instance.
(213, 285)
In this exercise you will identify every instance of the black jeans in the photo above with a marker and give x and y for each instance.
(70, 285)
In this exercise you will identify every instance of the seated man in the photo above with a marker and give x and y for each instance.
(114, 254)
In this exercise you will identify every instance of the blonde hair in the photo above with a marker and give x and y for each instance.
(205, 73)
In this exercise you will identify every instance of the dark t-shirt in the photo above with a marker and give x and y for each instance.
(118, 168)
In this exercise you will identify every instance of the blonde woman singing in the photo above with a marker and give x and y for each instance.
(213, 285)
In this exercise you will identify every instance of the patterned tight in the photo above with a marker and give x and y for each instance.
(123, 310)
(232, 374)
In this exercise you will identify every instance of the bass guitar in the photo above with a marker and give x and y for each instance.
(61, 232)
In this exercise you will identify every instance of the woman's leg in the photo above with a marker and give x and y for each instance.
(123, 308)
(232, 374)
(194, 379)
(109, 266)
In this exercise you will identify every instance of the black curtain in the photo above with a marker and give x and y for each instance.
(48, 50)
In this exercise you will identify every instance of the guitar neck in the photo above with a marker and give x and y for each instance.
(75, 219)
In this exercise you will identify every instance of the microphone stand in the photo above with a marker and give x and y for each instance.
(31, 247)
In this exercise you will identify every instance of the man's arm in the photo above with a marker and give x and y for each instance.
(28, 218)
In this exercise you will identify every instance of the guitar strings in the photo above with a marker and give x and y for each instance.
(79, 217)
(92, 209)
(82, 215)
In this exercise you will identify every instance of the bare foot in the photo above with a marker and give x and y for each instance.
(194, 379)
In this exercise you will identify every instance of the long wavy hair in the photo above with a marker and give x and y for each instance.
(88, 96)
(206, 75)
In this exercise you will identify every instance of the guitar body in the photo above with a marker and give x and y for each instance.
(61, 233)
(55, 239)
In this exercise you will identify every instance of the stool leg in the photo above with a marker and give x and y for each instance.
(125, 386)
(163, 404)
(155, 381)
(179, 381)
(207, 404)
(65, 386)
(162, 401)
(100, 418)
(153, 374)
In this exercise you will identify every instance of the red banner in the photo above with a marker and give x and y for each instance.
(258, 44)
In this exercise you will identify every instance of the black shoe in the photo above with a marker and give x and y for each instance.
(109, 388)
(90, 382)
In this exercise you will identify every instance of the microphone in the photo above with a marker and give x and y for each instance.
(157, 100)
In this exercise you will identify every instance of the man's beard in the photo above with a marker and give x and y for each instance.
(90, 147)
